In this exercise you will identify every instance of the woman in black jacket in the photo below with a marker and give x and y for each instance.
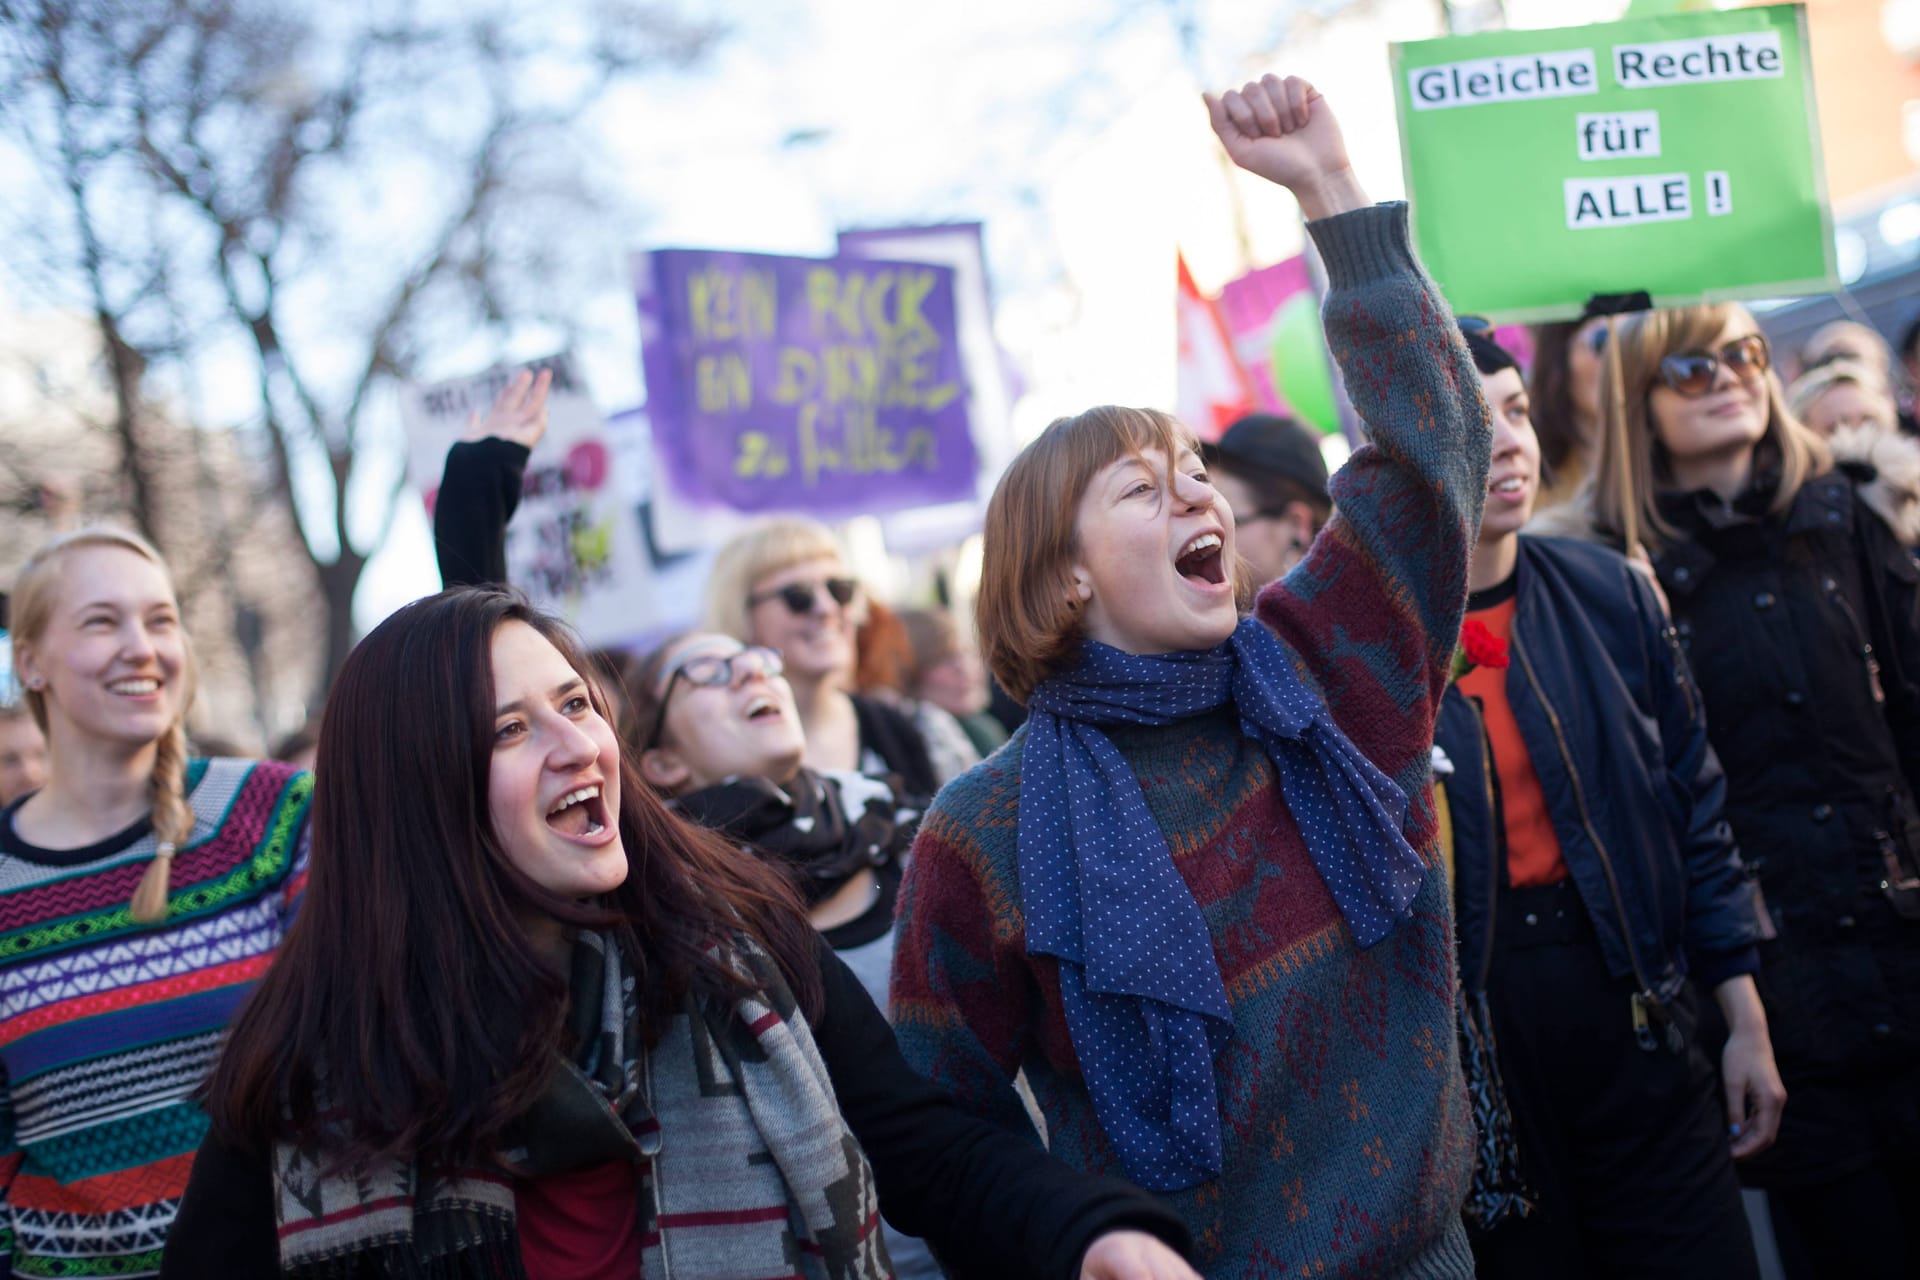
(528, 1023)
(1594, 875)
(1797, 610)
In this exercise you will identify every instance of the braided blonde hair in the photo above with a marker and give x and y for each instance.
(35, 592)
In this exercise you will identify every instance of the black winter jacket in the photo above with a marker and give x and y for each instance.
(1803, 631)
(1614, 728)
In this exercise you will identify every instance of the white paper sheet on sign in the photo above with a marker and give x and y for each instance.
(574, 544)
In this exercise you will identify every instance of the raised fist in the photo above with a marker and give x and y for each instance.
(1284, 131)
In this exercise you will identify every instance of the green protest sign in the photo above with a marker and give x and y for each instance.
(1676, 155)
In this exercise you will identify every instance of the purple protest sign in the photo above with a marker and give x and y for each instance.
(832, 386)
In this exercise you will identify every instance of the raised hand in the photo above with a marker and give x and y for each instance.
(1284, 131)
(1133, 1255)
(518, 415)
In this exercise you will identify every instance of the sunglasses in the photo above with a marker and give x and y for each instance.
(1693, 373)
(713, 670)
(799, 597)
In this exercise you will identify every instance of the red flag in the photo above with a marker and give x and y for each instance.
(1211, 387)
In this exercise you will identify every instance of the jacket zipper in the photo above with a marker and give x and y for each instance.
(1860, 634)
(1646, 1005)
(1680, 671)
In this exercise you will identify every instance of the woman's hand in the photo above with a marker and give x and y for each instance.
(1133, 1255)
(1284, 131)
(519, 414)
(1755, 1095)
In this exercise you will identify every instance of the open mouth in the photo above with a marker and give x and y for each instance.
(1200, 560)
(763, 708)
(1509, 487)
(135, 687)
(579, 813)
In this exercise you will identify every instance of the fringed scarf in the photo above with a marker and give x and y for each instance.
(747, 1163)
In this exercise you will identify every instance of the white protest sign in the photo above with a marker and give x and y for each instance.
(574, 543)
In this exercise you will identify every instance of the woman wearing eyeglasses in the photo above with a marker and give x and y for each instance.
(723, 744)
(784, 585)
(1797, 609)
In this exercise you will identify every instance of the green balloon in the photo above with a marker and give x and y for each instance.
(1300, 366)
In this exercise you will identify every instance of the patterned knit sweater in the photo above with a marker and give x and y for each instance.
(107, 1026)
(1346, 1136)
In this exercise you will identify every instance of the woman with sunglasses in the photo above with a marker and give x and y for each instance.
(785, 585)
(1797, 610)
(1197, 898)
(529, 1024)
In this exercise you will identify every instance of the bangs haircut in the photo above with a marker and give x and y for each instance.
(1028, 628)
(770, 547)
(1632, 467)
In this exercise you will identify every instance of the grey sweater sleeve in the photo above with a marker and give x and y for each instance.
(1374, 610)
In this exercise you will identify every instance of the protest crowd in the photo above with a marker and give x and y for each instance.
(1499, 856)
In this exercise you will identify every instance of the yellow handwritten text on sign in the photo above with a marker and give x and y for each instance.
(723, 383)
(857, 305)
(897, 378)
(729, 306)
(856, 445)
(866, 347)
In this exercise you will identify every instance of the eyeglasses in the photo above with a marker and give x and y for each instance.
(712, 670)
(799, 597)
(1693, 373)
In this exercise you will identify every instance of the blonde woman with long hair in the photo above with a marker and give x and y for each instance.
(1800, 614)
(141, 894)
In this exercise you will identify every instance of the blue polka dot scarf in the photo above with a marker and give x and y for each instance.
(1139, 982)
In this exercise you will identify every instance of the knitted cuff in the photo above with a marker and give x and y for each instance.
(1364, 245)
(1711, 968)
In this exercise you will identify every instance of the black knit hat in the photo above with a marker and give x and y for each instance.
(1277, 446)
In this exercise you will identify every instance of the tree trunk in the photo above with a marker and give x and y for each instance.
(124, 366)
(337, 583)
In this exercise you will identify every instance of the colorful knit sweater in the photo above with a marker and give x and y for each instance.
(1347, 1139)
(107, 1027)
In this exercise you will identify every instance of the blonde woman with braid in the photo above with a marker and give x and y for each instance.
(141, 894)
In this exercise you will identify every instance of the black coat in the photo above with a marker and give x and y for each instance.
(1613, 727)
(1803, 632)
(989, 1202)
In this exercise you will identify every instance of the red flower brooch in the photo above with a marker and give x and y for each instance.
(1479, 647)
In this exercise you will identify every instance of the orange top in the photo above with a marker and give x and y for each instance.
(1533, 847)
